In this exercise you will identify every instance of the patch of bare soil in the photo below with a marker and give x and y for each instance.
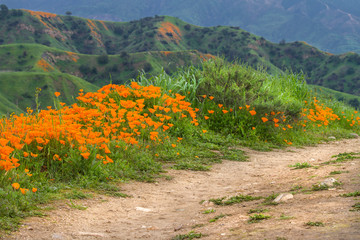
(168, 208)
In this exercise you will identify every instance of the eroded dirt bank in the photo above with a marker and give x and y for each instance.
(168, 208)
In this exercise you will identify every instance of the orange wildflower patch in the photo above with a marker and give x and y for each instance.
(44, 18)
(73, 56)
(166, 53)
(44, 65)
(104, 25)
(94, 32)
(114, 115)
(169, 32)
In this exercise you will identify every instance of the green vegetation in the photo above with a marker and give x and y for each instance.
(338, 172)
(100, 52)
(209, 211)
(343, 157)
(257, 210)
(257, 218)
(217, 218)
(190, 235)
(301, 165)
(355, 207)
(233, 200)
(316, 224)
(353, 194)
(273, 21)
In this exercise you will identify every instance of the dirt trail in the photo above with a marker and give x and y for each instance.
(168, 208)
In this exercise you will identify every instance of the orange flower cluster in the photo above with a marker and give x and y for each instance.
(166, 53)
(168, 28)
(319, 114)
(44, 16)
(104, 25)
(94, 31)
(100, 120)
(73, 56)
(44, 65)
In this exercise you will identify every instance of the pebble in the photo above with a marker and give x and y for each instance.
(283, 197)
(143, 209)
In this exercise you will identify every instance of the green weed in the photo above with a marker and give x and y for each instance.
(301, 165)
(233, 200)
(284, 217)
(315, 224)
(209, 211)
(76, 206)
(352, 194)
(257, 210)
(343, 157)
(257, 218)
(189, 236)
(217, 218)
(355, 207)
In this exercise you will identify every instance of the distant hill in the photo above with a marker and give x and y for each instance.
(330, 25)
(93, 53)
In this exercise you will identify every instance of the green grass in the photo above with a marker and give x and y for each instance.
(189, 236)
(352, 194)
(337, 172)
(217, 218)
(257, 210)
(355, 207)
(209, 211)
(315, 224)
(257, 218)
(343, 157)
(301, 165)
(234, 200)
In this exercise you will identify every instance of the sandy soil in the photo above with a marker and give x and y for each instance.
(168, 208)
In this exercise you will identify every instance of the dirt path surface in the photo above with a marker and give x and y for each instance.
(168, 208)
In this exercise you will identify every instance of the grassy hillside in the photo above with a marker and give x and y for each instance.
(19, 88)
(25, 67)
(331, 25)
(339, 72)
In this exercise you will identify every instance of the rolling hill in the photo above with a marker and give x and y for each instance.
(330, 25)
(99, 52)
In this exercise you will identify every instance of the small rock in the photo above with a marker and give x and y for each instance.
(143, 209)
(207, 203)
(30, 228)
(57, 236)
(177, 228)
(332, 138)
(328, 182)
(283, 197)
(354, 135)
(92, 234)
